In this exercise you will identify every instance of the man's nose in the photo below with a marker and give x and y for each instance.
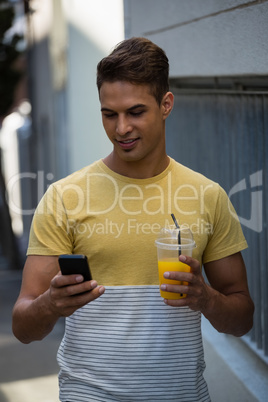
(123, 126)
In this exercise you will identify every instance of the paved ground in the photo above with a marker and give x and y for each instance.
(28, 373)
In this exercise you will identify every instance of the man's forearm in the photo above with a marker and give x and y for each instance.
(230, 314)
(32, 319)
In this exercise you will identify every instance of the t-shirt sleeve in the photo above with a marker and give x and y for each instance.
(49, 234)
(227, 237)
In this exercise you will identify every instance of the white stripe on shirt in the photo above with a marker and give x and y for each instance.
(129, 346)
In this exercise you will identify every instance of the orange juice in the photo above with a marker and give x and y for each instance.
(164, 266)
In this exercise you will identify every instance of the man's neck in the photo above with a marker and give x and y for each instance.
(137, 169)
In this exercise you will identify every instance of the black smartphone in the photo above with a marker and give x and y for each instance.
(75, 264)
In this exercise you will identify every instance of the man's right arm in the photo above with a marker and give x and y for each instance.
(46, 295)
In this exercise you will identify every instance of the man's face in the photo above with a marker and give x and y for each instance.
(133, 121)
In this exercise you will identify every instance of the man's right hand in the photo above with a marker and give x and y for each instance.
(68, 293)
(47, 295)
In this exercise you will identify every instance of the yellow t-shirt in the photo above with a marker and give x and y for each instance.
(114, 220)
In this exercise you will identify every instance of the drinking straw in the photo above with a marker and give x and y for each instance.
(179, 232)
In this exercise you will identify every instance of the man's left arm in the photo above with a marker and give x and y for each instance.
(226, 302)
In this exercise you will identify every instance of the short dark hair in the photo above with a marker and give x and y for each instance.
(138, 61)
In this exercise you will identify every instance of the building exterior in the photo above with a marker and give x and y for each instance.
(218, 56)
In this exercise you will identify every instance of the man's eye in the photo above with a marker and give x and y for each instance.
(109, 115)
(138, 113)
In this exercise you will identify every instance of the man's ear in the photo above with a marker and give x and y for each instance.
(167, 104)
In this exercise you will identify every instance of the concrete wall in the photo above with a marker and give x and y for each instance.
(68, 38)
(204, 38)
(93, 29)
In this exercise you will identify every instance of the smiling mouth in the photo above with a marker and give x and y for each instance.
(127, 144)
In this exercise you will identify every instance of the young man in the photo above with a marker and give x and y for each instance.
(123, 342)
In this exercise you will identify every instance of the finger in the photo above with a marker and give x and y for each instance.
(95, 293)
(67, 304)
(86, 296)
(81, 299)
(180, 288)
(176, 303)
(192, 262)
(78, 288)
(64, 280)
(179, 276)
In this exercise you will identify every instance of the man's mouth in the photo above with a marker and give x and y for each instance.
(128, 144)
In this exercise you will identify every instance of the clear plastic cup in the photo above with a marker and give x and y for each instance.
(171, 243)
